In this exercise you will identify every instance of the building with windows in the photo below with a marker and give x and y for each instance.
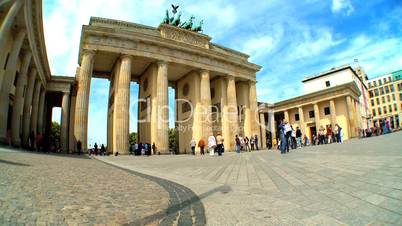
(385, 94)
(337, 96)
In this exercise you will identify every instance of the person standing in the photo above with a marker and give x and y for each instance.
(96, 148)
(193, 143)
(247, 144)
(201, 145)
(288, 134)
(103, 150)
(237, 141)
(211, 145)
(79, 147)
(329, 134)
(154, 148)
(256, 142)
(252, 143)
(219, 147)
(282, 137)
(298, 137)
(293, 138)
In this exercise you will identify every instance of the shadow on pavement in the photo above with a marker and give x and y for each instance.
(13, 163)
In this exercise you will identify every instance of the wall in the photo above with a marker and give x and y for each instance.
(337, 78)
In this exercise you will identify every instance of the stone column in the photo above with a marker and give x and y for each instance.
(317, 116)
(162, 141)
(8, 22)
(82, 99)
(254, 118)
(205, 99)
(230, 121)
(64, 122)
(121, 119)
(301, 120)
(286, 116)
(27, 106)
(351, 126)
(333, 113)
(35, 106)
(7, 82)
(263, 129)
(272, 127)
(71, 140)
(41, 111)
(16, 117)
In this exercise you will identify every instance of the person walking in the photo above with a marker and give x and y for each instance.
(211, 145)
(282, 137)
(293, 138)
(339, 138)
(219, 147)
(247, 144)
(288, 134)
(252, 143)
(193, 143)
(237, 141)
(201, 145)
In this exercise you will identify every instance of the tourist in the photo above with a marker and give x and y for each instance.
(149, 150)
(336, 132)
(246, 144)
(96, 148)
(329, 133)
(103, 150)
(241, 142)
(321, 135)
(201, 145)
(293, 139)
(305, 141)
(154, 148)
(388, 125)
(282, 137)
(269, 140)
(219, 147)
(252, 142)
(256, 142)
(298, 137)
(211, 145)
(288, 133)
(237, 141)
(144, 147)
(193, 143)
(79, 147)
(339, 138)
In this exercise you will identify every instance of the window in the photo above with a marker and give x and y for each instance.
(379, 111)
(327, 111)
(387, 89)
(385, 80)
(376, 92)
(388, 98)
(389, 79)
(382, 90)
(327, 84)
(380, 82)
(369, 84)
(374, 112)
(383, 99)
(393, 97)
(311, 114)
(392, 88)
(384, 109)
(399, 86)
(390, 108)
(297, 118)
(371, 93)
(400, 96)
(372, 102)
(395, 107)
(378, 101)
(375, 83)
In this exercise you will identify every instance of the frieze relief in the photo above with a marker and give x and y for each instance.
(184, 36)
(109, 41)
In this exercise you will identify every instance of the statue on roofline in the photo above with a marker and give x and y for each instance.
(176, 21)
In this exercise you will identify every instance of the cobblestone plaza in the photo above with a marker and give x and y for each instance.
(357, 183)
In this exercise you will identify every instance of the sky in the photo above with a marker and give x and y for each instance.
(289, 39)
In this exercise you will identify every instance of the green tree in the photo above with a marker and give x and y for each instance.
(133, 138)
(172, 140)
(54, 136)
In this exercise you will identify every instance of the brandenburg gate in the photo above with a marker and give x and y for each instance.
(215, 86)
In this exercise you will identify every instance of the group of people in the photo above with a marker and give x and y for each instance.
(145, 149)
(290, 138)
(246, 144)
(383, 127)
(98, 151)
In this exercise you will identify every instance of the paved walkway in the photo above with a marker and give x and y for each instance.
(359, 183)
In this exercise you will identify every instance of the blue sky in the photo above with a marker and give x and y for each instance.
(290, 39)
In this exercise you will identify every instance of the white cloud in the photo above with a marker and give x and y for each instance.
(344, 6)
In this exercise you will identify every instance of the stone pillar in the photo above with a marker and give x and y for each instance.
(64, 122)
(41, 111)
(121, 119)
(27, 106)
(82, 99)
(9, 77)
(71, 140)
(162, 127)
(301, 120)
(254, 118)
(16, 117)
(272, 127)
(35, 106)
(230, 123)
(333, 113)
(205, 99)
(317, 116)
(351, 126)
(8, 22)
(286, 116)
(263, 129)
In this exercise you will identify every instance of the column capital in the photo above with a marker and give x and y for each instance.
(162, 63)
(126, 56)
(202, 71)
(251, 82)
(88, 52)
